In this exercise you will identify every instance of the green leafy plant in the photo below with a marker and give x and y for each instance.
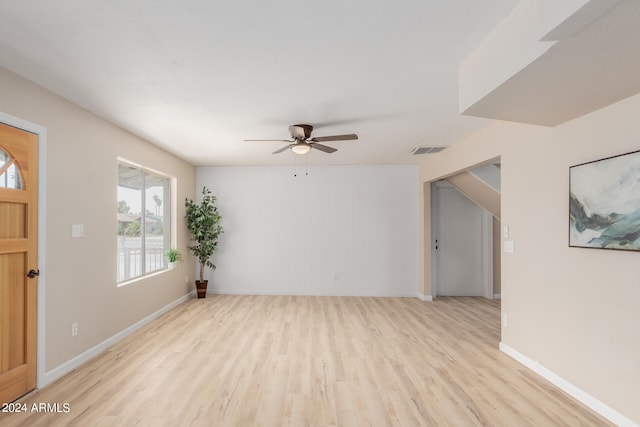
(173, 255)
(133, 229)
(203, 222)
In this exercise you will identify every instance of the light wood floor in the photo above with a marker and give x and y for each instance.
(298, 361)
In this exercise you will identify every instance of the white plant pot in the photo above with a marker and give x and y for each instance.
(171, 265)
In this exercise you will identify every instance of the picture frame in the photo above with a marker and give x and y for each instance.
(604, 203)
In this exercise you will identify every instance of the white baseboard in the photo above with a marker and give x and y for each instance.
(497, 296)
(425, 297)
(309, 293)
(582, 396)
(72, 364)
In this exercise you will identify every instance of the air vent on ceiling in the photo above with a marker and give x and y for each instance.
(426, 150)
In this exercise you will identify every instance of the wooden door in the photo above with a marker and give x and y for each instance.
(18, 256)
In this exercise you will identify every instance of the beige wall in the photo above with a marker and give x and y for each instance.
(575, 311)
(81, 179)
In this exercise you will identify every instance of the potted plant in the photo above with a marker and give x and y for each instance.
(173, 256)
(203, 222)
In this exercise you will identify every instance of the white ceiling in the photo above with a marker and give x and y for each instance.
(197, 77)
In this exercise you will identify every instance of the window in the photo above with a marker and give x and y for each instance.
(9, 174)
(144, 221)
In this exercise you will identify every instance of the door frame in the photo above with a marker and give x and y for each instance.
(41, 131)
(486, 235)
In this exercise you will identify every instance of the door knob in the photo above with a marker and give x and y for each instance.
(33, 273)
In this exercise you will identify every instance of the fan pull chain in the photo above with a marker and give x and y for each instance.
(295, 165)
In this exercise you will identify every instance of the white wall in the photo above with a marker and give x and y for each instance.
(573, 311)
(341, 230)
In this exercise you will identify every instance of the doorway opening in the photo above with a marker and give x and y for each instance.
(462, 244)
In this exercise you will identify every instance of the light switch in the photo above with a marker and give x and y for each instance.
(509, 246)
(505, 232)
(77, 230)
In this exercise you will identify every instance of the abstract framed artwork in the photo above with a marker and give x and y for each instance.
(604, 203)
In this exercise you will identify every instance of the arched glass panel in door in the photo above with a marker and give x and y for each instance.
(9, 172)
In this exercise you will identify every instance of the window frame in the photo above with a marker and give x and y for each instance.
(169, 226)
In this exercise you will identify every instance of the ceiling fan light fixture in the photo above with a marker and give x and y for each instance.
(301, 148)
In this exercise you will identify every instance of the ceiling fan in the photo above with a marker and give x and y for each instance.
(301, 141)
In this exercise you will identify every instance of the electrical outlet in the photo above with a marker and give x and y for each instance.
(505, 320)
(77, 230)
(74, 329)
(509, 246)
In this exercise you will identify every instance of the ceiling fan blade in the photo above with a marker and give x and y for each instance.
(267, 140)
(348, 137)
(285, 148)
(322, 147)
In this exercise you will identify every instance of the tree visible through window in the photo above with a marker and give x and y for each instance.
(144, 221)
